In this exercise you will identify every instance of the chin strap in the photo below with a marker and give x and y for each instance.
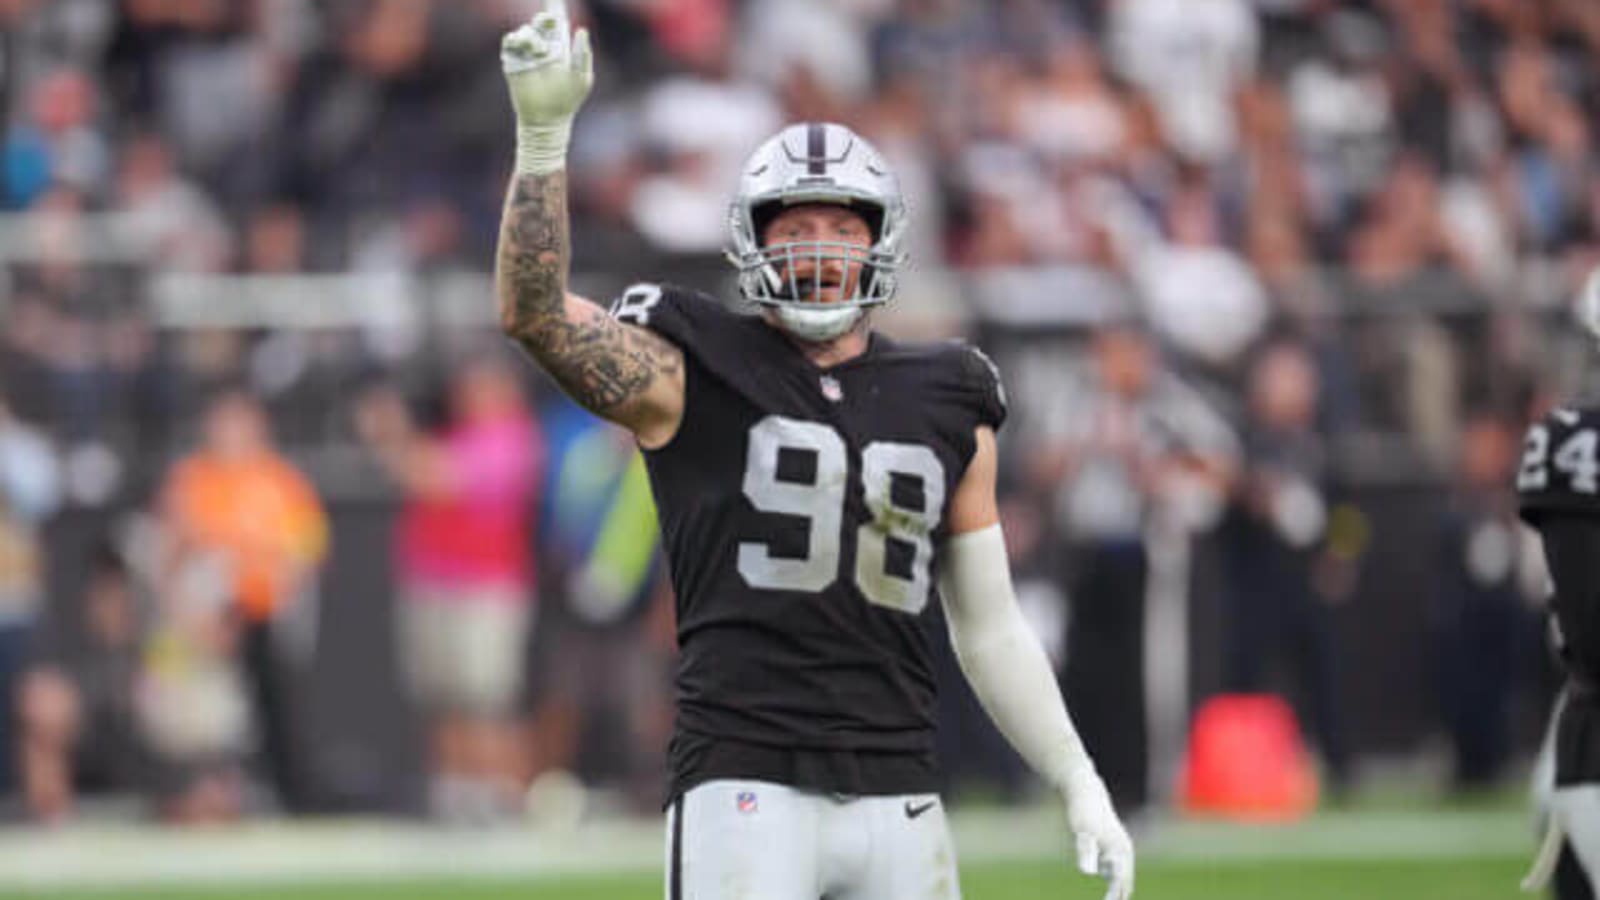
(820, 324)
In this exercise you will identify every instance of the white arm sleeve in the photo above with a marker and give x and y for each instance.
(1004, 662)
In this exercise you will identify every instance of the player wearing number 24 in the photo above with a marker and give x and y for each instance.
(1558, 486)
(814, 478)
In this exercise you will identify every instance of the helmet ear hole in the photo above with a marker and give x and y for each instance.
(874, 216)
(761, 215)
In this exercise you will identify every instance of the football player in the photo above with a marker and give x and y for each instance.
(1558, 484)
(813, 479)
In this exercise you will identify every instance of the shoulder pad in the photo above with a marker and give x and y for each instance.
(680, 315)
(981, 377)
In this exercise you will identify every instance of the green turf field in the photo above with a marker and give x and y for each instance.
(1403, 850)
(1476, 879)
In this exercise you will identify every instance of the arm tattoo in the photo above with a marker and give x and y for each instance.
(603, 364)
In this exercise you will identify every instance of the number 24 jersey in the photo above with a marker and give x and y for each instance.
(1559, 486)
(800, 507)
(1560, 468)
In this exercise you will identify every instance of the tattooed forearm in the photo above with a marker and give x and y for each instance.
(601, 363)
(533, 255)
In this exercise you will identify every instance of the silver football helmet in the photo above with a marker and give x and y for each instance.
(816, 163)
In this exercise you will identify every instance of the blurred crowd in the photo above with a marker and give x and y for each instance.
(1238, 258)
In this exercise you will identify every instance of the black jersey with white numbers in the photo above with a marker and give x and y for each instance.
(1560, 470)
(801, 508)
(1558, 484)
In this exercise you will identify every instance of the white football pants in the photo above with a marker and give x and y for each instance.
(1578, 811)
(754, 840)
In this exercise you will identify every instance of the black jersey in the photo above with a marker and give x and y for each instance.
(1558, 484)
(800, 511)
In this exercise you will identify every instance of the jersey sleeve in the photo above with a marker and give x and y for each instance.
(686, 318)
(1560, 468)
(979, 381)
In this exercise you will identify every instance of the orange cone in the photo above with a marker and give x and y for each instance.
(1246, 760)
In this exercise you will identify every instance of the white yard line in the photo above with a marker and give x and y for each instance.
(363, 850)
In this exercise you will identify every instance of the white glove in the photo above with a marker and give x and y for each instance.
(549, 72)
(1103, 845)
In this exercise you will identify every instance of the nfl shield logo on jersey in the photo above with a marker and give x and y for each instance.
(831, 389)
(746, 801)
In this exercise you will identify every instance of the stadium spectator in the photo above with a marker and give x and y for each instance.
(238, 505)
(827, 42)
(1484, 621)
(79, 729)
(147, 703)
(1070, 112)
(607, 673)
(30, 492)
(699, 126)
(1199, 294)
(467, 584)
(1278, 610)
(173, 218)
(1111, 442)
(1190, 58)
(191, 700)
(63, 112)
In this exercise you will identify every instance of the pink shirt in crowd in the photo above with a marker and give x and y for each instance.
(482, 533)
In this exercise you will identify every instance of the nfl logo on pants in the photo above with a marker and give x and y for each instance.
(746, 801)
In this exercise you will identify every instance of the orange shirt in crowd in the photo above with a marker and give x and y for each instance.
(261, 512)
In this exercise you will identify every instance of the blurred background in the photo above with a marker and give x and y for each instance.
(289, 536)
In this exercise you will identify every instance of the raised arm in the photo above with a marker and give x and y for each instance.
(621, 372)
